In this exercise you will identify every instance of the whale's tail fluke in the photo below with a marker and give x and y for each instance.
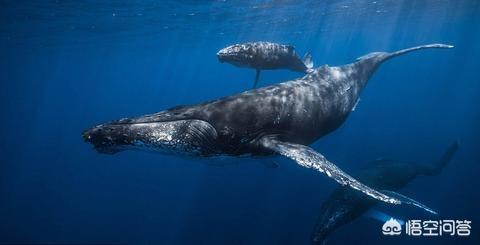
(308, 62)
(436, 167)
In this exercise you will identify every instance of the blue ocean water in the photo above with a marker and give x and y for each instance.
(68, 65)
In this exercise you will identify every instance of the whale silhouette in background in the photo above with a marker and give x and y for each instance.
(344, 205)
(279, 119)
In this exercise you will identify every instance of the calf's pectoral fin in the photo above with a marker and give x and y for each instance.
(257, 76)
(307, 157)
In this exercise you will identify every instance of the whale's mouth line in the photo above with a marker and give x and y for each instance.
(118, 123)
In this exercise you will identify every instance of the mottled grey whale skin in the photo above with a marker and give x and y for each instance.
(282, 118)
(265, 56)
(345, 205)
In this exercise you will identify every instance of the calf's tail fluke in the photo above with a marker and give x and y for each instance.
(308, 62)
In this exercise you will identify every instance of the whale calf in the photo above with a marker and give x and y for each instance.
(279, 119)
(265, 56)
(344, 205)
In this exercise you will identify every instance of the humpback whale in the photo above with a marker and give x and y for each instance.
(265, 56)
(344, 206)
(279, 119)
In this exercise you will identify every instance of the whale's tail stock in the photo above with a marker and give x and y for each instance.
(383, 56)
(408, 50)
(368, 63)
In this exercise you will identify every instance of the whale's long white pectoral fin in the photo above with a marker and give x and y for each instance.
(407, 200)
(307, 157)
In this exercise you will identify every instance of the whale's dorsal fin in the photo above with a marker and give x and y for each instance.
(307, 157)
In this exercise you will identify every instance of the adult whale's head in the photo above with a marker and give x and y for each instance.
(188, 136)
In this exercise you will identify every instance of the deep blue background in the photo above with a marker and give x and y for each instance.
(68, 65)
